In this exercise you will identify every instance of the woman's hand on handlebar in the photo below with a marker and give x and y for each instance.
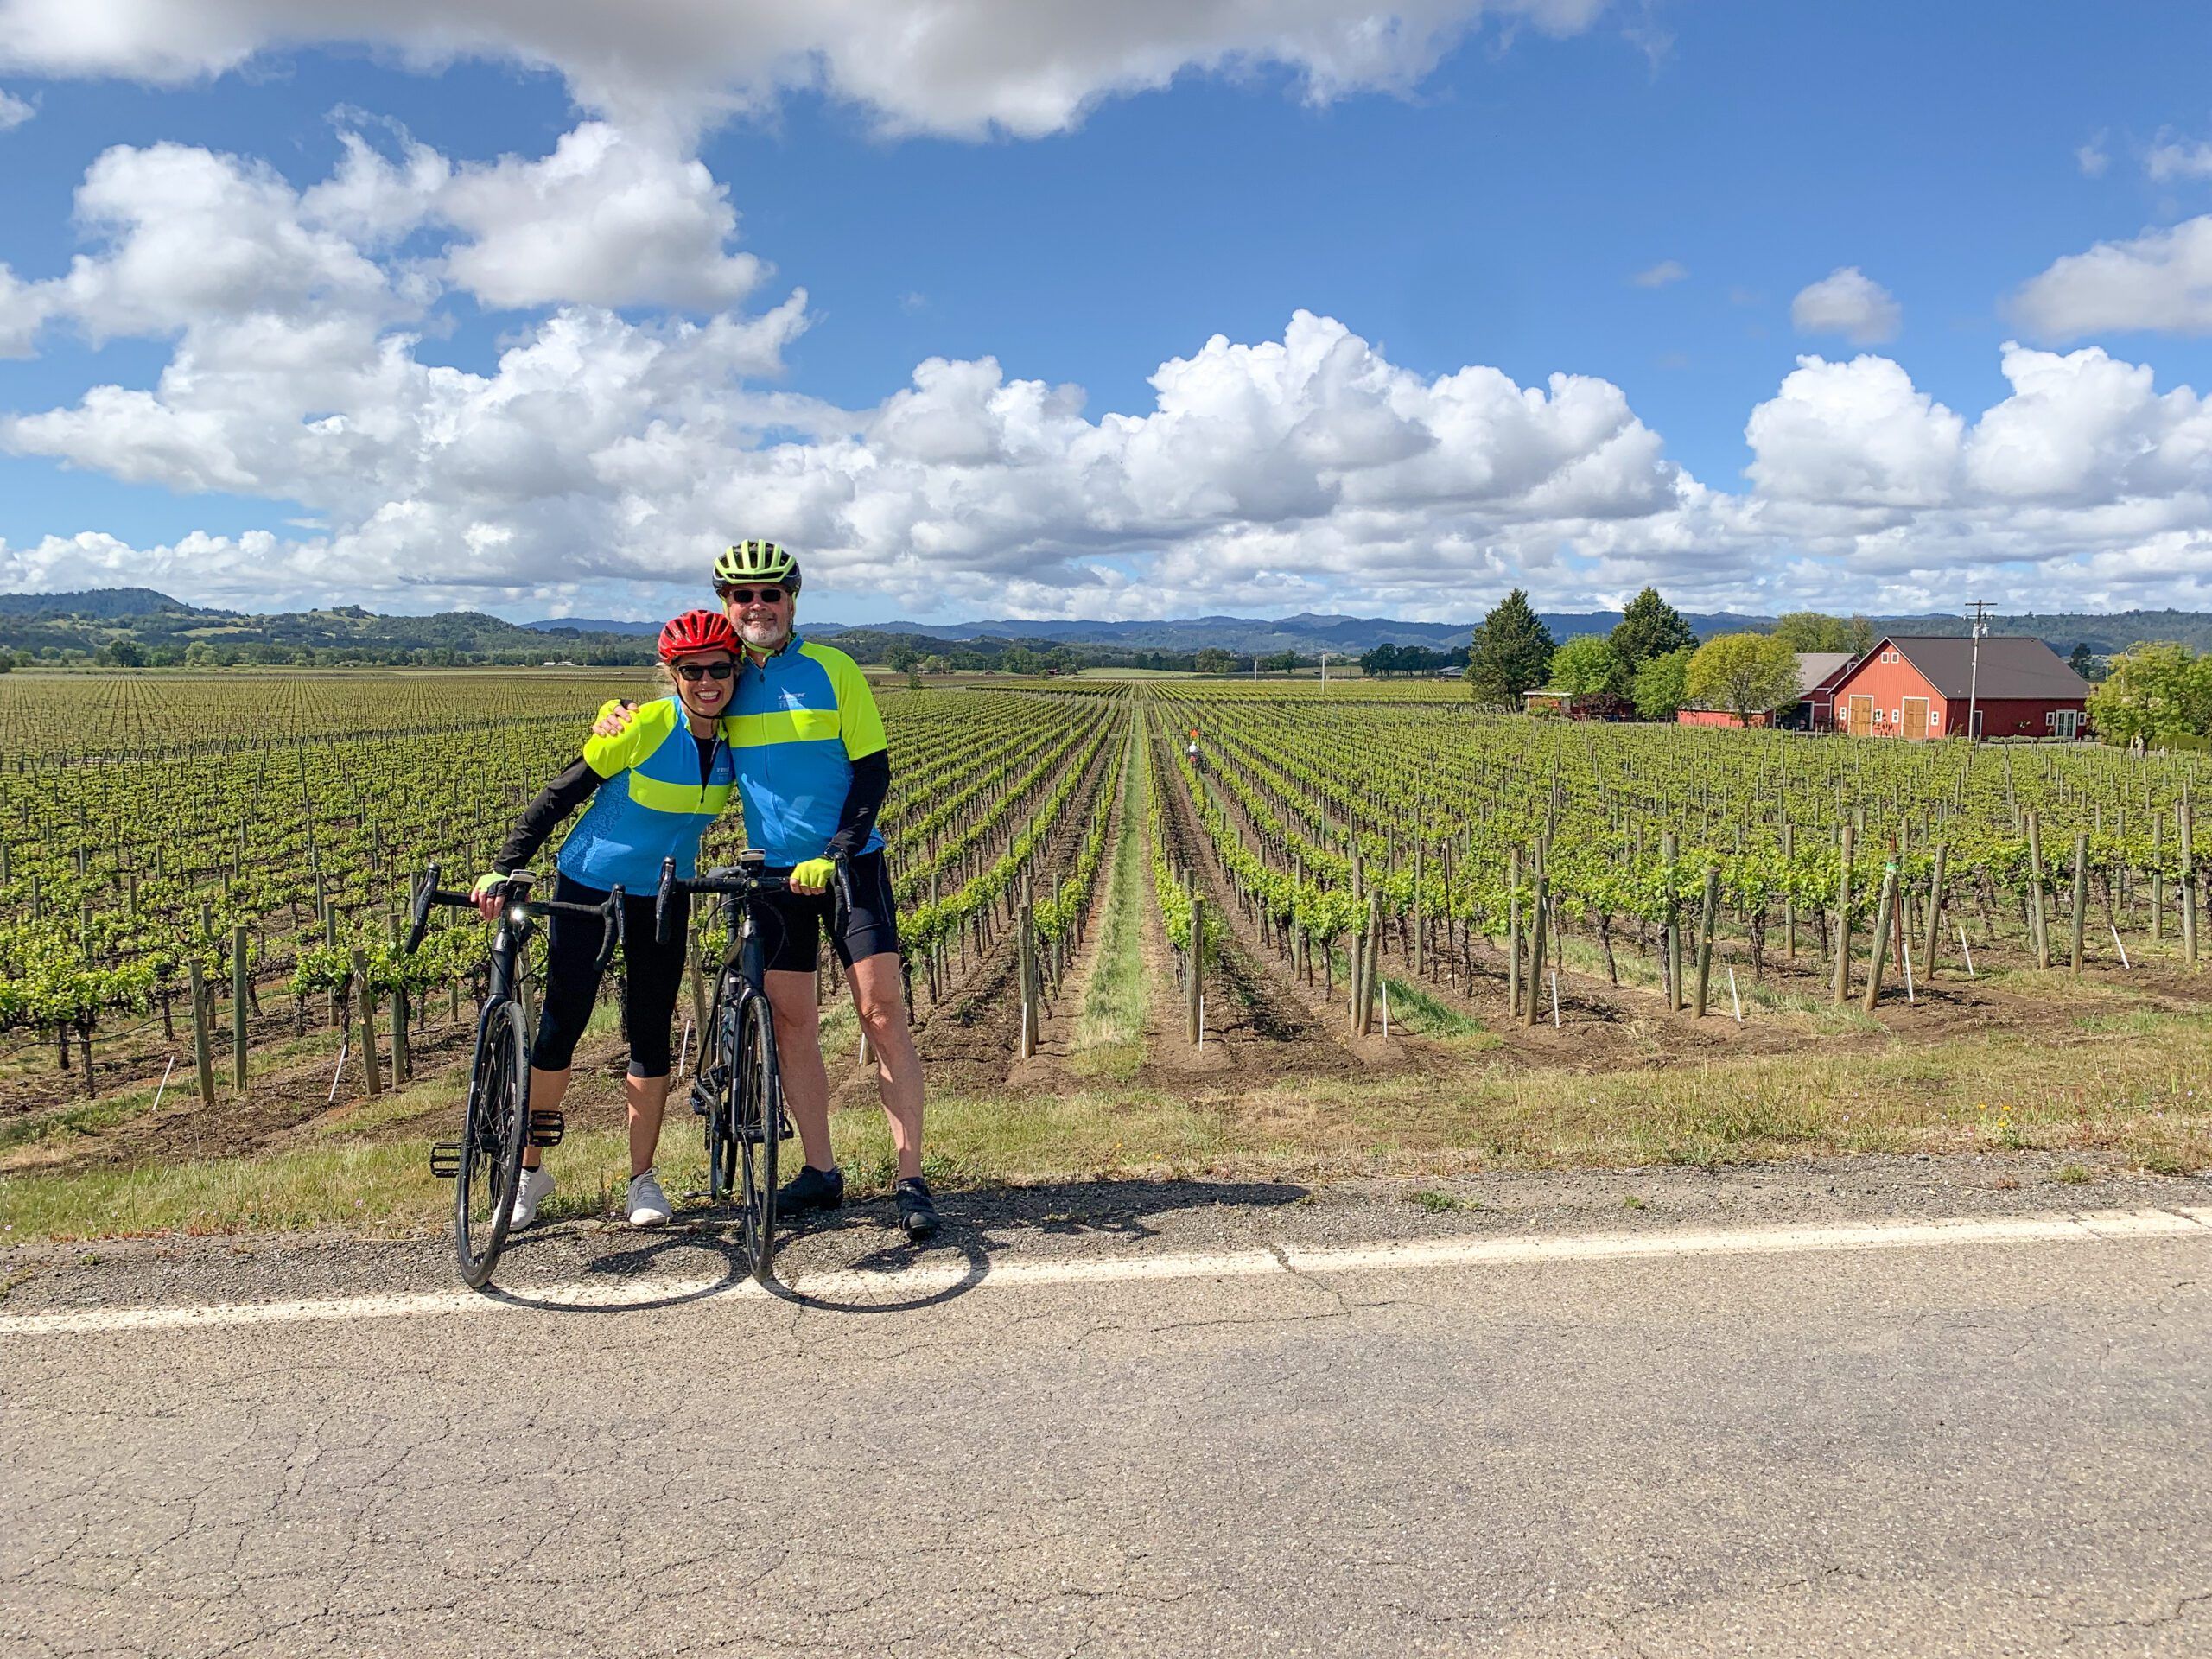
(615, 717)
(488, 893)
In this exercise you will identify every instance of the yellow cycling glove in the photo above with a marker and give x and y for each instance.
(814, 874)
(484, 883)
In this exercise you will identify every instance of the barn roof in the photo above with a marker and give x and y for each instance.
(2010, 667)
(1814, 666)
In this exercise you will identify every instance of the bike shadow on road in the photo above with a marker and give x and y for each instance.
(859, 1251)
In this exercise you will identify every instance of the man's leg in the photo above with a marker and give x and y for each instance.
(798, 1053)
(881, 1000)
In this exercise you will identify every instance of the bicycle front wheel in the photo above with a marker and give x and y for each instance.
(713, 1090)
(757, 1092)
(493, 1138)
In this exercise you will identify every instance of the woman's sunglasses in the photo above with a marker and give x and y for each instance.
(749, 595)
(696, 671)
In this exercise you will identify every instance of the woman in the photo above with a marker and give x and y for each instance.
(653, 788)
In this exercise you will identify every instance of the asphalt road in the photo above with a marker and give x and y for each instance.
(1755, 1433)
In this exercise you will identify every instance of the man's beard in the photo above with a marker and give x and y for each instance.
(764, 636)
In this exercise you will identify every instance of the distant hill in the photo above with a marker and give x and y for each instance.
(163, 628)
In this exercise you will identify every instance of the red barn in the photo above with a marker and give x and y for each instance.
(1918, 686)
(1818, 673)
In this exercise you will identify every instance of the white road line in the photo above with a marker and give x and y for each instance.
(935, 1278)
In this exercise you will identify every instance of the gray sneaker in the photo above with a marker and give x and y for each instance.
(648, 1205)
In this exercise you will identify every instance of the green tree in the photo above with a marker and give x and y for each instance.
(1649, 627)
(936, 663)
(901, 657)
(7, 662)
(2082, 659)
(1588, 664)
(1281, 663)
(1817, 631)
(1745, 673)
(2153, 690)
(1660, 686)
(1511, 653)
(1214, 660)
(1020, 659)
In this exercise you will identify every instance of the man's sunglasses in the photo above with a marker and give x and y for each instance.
(696, 671)
(747, 595)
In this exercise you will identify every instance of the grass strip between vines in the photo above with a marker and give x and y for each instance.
(2133, 1097)
(1109, 1033)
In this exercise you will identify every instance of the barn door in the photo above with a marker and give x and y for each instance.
(1861, 720)
(1915, 710)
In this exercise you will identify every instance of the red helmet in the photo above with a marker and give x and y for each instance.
(697, 631)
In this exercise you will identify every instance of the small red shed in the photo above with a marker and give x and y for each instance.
(1918, 686)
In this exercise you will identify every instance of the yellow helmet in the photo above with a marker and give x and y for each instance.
(756, 562)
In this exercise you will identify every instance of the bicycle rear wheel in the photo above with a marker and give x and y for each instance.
(493, 1134)
(757, 1092)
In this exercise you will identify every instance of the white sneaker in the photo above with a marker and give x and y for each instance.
(536, 1184)
(648, 1204)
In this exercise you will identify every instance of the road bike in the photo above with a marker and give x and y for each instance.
(738, 1088)
(497, 1124)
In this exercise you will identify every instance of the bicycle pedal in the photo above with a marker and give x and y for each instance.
(445, 1160)
(546, 1128)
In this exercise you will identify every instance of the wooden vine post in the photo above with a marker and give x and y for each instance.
(366, 1000)
(1707, 915)
(1880, 945)
(1934, 912)
(237, 1007)
(203, 1044)
(1025, 961)
(1538, 916)
(2080, 897)
(2185, 822)
(2038, 922)
(1843, 917)
(1194, 982)
(1672, 924)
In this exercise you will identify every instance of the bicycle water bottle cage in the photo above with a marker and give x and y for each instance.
(546, 1127)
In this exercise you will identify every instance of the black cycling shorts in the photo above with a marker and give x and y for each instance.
(792, 924)
(651, 969)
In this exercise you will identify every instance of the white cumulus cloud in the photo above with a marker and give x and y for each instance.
(960, 67)
(2174, 160)
(1846, 302)
(2160, 280)
(1658, 275)
(14, 111)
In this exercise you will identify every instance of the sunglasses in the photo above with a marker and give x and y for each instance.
(748, 595)
(696, 672)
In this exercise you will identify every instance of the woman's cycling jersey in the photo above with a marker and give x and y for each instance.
(659, 789)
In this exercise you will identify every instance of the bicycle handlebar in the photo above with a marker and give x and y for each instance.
(429, 893)
(736, 882)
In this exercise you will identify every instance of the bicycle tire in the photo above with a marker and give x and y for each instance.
(494, 1131)
(757, 1092)
(713, 1075)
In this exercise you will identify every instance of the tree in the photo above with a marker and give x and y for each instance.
(2153, 690)
(1817, 631)
(936, 663)
(1660, 687)
(1379, 661)
(7, 662)
(1511, 653)
(1649, 627)
(1281, 663)
(1214, 660)
(1020, 659)
(902, 657)
(2082, 659)
(1746, 673)
(1586, 665)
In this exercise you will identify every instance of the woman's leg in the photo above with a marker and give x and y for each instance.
(655, 964)
(571, 977)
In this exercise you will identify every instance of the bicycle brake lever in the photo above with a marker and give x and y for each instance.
(612, 938)
(418, 906)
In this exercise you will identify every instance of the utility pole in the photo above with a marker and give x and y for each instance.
(1974, 670)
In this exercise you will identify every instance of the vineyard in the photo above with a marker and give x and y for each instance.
(202, 879)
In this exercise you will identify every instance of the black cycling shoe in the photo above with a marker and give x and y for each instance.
(916, 1213)
(811, 1189)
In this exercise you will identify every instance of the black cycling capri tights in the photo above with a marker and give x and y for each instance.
(653, 969)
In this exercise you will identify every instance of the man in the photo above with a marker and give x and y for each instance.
(812, 771)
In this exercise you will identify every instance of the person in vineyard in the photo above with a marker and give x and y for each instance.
(812, 769)
(677, 764)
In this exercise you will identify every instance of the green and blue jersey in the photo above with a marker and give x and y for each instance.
(796, 722)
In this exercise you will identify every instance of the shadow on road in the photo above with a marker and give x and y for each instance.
(978, 1228)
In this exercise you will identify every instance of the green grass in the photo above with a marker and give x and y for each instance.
(1110, 1023)
(2141, 1104)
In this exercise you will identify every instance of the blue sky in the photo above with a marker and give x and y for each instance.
(1492, 210)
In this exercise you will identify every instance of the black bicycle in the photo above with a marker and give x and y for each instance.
(738, 1088)
(497, 1124)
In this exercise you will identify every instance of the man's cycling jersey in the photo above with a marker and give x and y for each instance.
(663, 787)
(798, 721)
